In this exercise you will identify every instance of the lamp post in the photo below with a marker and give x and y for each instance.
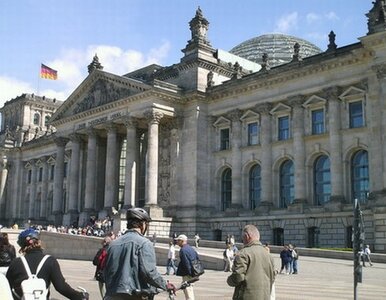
(358, 232)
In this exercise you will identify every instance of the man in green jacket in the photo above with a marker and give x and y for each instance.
(253, 269)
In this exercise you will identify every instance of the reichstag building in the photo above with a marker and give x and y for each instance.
(275, 132)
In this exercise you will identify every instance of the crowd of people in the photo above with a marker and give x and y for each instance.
(126, 265)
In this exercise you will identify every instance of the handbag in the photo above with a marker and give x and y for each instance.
(99, 276)
(197, 268)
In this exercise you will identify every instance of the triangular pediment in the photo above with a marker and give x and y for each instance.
(280, 108)
(249, 115)
(222, 122)
(314, 101)
(99, 89)
(352, 93)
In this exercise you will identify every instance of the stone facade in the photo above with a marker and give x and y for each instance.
(209, 146)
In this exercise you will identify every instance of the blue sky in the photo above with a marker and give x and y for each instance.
(129, 34)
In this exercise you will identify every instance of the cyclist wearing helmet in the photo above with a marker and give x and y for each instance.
(31, 248)
(130, 271)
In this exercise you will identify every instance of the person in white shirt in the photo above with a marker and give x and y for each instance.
(171, 259)
(228, 258)
(366, 256)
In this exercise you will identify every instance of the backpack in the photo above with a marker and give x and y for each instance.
(5, 258)
(34, 288)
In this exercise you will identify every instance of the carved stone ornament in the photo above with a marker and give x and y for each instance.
(380, 71)
(153, 116)
(331, 93)
(101, 93)
(264, 108)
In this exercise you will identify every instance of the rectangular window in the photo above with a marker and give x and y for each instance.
(40, 174)
(52, 172)
(318, 121)
(29, 176)
(253, 134)
(224, 139)
(356, 114)
(65, 170)
(283, 126)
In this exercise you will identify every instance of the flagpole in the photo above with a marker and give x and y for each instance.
(37, 93)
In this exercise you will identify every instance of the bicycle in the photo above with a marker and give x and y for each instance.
(183, 286)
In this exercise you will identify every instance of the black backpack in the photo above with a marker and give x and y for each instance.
(5, 258)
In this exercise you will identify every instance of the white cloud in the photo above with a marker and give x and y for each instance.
(71, 65)
(287, 23)
(331, 16)
(12, 87)
(312, 17)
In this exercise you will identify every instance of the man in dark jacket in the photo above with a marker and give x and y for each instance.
(131, 272)
(187, 255)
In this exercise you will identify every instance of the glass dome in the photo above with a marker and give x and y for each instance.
(279, 48)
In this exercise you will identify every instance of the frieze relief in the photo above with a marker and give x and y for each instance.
(101, 93)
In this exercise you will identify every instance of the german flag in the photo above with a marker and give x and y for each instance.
(48, 73)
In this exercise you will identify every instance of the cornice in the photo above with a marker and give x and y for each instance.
(286, 73)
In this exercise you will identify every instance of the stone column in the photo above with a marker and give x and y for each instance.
(32, 194)
(89, 202)
(111, 168)
(335, 139)
(74, 177)
(154, 118)
(236, 158)
(57, 209)
(298, 149)
(43, 205)
(3, 179)
(17, 172)
(266, 156)
(131, 163)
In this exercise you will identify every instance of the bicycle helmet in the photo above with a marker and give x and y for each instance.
(137, 213)
(26, 236)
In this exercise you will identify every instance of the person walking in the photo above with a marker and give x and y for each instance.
(100, 261)
(131, 272)
(187, 255)
(366, 256)
(295, 257)
(286, 257)
(228, 258)
(196, 240)
(253, 269)
(171, 263)
(31, 249)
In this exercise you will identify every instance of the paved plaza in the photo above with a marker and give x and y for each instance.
(318, 278)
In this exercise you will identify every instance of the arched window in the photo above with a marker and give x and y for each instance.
(322, 180)
(254, 186)
(226, 189)
(287, 187)
(36, 119)
(360, 175)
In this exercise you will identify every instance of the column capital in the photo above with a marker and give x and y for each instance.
(263, 108)
(91, 131)
(153, 116)
(111, 127)
(296, 101)
(75, 138)
(331, 93)
(235, 115)
(61, 141)
(130, 122)
(379, 70)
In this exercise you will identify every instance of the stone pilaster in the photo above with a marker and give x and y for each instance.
(236, 158)
(154, 119)
(299, 149)
(32, 194)
(74, 178)
(266, 157)
(335, 141)
(131, 162)
(43, 203)
(3, 179)
(111, 168)
(57, 209)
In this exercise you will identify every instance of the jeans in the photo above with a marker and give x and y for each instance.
(171, 264)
